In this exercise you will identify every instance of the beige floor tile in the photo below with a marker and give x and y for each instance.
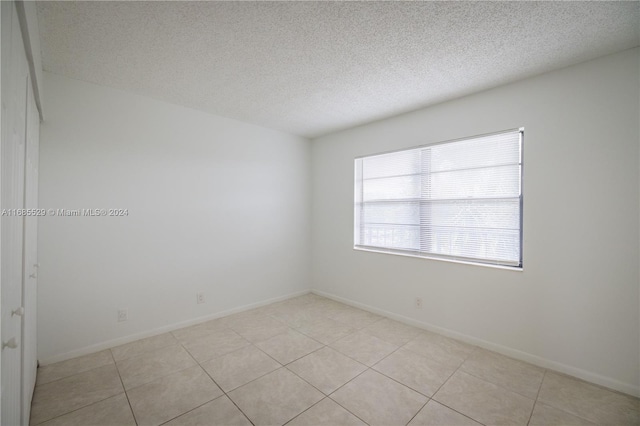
(378, 400)
(588, 401)
(244, 316)
(215, 344)
(266, 310)
(308, 298)
(289, 346)
(434, 414)
(153, 365)
(171, 396)
(240, 367)
(139, 347)
(356, 318)
(326, 413)
(392, 331)
(59, 370)
(220, 411)
(545, 415)
(326, 369)
(283, 305)
(517, 376)
(483, 401)
(364, 347)
(488, 387)
(71, 393)
(324, 330)
(420, 373)
(440, 348)
(198, 331)
(297, 316)
(258, 328)
(109, 412)
(303, 301)
(328, 307)
(276, 398)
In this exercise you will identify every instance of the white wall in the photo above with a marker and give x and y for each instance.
(575, 306)
(215, 206)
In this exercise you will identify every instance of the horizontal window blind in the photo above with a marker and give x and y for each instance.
(459, 200)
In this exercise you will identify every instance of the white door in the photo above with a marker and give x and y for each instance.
(30, 261)
(14, 111)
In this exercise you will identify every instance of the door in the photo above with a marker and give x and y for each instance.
(30, 262)
(14, 111)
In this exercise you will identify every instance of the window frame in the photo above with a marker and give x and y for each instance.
(435, 256)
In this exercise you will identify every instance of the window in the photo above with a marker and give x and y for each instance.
(459, 200)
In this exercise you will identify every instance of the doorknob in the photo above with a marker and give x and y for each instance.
(32, 276)
(11, 344)
(19, 312)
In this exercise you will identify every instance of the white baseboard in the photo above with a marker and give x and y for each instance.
(627, 388)
(164, 329)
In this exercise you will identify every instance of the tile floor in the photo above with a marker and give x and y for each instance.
(313, 361)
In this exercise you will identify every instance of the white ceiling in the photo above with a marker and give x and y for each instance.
(310, 68)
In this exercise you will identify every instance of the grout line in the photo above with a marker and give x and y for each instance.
(78, 409)
(77, 373)
(340, 387)
(557, 408)
(358, 361)
(240, 409)
(180, 369)
(298, 415)
(285, 367)
(252, 344)
(497, 384)
(544, 372)
(123, 388)
(402, 384)
(177, 371)
(303, 307)
(193, 409)
(95, 402)
(456, 411)
(325, 396)
(307, 382)
(541, 382)
(299, 358)
(279, 363)
(389, 377)
(224, 393)
(418, 412)
(257, 378)
(178, 342)
(449, 378)
(145, 351)
(429, 398)
(537, 394)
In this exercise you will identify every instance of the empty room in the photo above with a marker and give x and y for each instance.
(320, 213)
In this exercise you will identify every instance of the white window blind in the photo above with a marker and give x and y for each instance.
(459, 200)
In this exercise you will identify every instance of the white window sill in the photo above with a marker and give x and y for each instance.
(464, 262)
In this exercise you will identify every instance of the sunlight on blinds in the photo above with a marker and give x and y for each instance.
(458, 200)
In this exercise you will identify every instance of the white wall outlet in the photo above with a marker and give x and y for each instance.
(418, 302)
(199, 297)
(122, 315)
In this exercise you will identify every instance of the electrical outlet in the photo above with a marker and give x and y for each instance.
(122, 315)
(199, 297)
(418, 302)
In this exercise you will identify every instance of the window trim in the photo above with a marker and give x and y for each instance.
(446, 258)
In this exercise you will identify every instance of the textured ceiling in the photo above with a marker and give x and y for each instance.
(310, 68)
